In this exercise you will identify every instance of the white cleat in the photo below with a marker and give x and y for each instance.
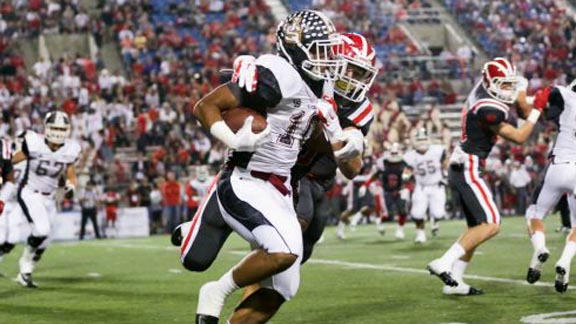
(210, 300)
(399, 234)
(381, 229)
(562, 276)
(442, 271)
(340, 235)
(420, 237)
(461, 290)
(25, 279)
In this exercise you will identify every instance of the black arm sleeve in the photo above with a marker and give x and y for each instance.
(267, 94)
(345, 122)
(555, 105)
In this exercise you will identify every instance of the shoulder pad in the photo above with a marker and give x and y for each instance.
(487, 103)
(288, 78)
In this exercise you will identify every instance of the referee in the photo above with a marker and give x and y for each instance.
(88, 202)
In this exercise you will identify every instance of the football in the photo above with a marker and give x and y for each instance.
(235, 117)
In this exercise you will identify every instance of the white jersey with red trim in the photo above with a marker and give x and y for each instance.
(45, 167)
(428, 166)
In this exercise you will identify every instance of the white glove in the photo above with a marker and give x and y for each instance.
(244, 140)
(522, 84)
(362, 191)
(326, 110)
(245, 72)
(354, 145)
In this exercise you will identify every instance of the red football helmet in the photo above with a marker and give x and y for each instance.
(358, 69)
(500, 80)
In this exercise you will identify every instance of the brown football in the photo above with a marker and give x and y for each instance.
(235, 117)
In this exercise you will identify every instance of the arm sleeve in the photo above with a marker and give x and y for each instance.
(491, 116)
(267, 93)
(345, 122)
(555, 105)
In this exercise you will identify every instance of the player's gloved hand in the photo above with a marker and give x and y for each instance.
(327, 112)
(354, 146)
(362, 191)
(246, 140)
(69, 190)
(522, 84)
(541, 98)
(245, 72)
(1, 207)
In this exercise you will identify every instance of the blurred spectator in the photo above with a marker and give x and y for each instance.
(171, 201)
(519, 180)
(156, 225)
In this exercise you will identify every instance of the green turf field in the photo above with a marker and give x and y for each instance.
(366, 279)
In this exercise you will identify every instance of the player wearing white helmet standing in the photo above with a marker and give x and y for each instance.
(48, 157)
(426, 162)
(560, 179)
(485, 116)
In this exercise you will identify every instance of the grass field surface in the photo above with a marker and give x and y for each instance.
(366, 279)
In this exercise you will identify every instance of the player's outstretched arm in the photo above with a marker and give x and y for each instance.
(513, 134)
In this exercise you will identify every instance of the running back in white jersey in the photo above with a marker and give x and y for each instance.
(563, 111)
(201, 187)
(290, 119)
(44, 166)
(428, 166)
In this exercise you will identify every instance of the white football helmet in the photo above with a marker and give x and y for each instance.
(56, 127)
(394, 154)
(358, 71)
(499, 79)
(421, 141)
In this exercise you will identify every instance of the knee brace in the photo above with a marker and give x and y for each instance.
(36, 241)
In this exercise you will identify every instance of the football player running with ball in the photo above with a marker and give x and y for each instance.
(49, 157)
(560, 179)
(254, 193)
(484, 118)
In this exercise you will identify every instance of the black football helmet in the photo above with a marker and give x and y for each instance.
(308, 39)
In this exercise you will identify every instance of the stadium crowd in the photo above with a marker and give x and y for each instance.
(170, 65)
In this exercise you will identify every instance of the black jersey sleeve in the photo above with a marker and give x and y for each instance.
(555, 105)
(267, 93)
(491, 116)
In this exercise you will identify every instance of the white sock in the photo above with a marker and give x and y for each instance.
(568, 253)
(538, 240)
(455, 252)
(458, 270)
(227, 283)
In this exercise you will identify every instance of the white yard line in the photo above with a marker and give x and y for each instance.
(344, 264)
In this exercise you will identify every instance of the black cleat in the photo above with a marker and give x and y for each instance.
(25, 279)
(206, 319)
(176, 238)
(435, 231)
(446, 277)
(473, 291)
(533, 275)
(561, 283)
